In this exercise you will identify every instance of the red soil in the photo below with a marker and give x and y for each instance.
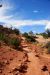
(30, 61)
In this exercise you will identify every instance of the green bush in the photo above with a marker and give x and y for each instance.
(15, 42)
(48, 32)
(29, 38)
(17, 31)
(25, 34)
(10, 41)
(2, 36)
(45, 35)
(6, 40)
(48, 47)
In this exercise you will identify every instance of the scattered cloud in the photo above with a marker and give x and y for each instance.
(35, 11)
(47, 25)
(9, 21)
(19, 23)
(5, 7)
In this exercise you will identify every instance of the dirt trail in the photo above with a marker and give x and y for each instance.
(33, 65)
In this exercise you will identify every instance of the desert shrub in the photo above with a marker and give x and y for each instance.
(29, 38)
(48, 32)
(25, 34)
(2, 36)
(45, 35)
(15, 42)
(31, 33)
(48, 47)
(17, 31)
(9, 30)
(6, 40)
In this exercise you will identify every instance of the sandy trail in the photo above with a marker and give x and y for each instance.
(34, 66)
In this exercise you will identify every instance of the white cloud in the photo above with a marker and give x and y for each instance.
(19, 23)
(47, 25)
(9, 21)
(35, 11)
(4, 8)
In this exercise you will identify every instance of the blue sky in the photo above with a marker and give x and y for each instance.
(26, 15)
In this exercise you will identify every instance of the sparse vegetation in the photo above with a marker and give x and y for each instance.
(25, 34)
(2, 36)
(45, 34)
(48, 47)
(31, 33)
(9, 41)
(17, 31)
(48, 32)
(29, 38)
(15, 42)
(6, 30)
